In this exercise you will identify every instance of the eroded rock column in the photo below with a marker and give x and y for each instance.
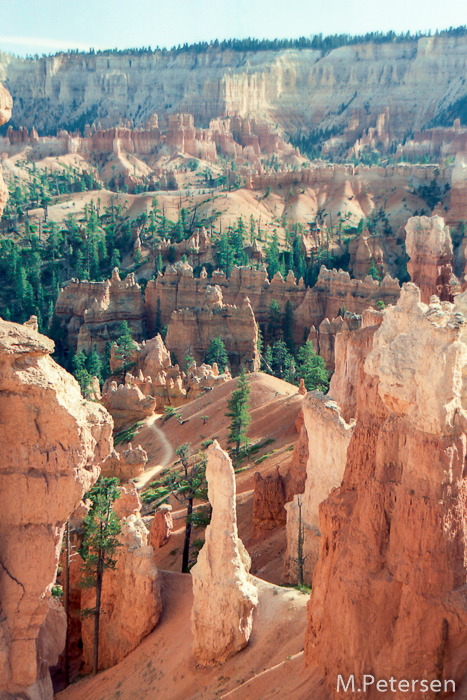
(388, 594)
(51, 440)
(429, 247)
(328, 439)
(224, 596)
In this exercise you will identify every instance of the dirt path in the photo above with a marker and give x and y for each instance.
(145, 478)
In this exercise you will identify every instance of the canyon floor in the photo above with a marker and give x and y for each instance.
(162, 667)
(275, 405)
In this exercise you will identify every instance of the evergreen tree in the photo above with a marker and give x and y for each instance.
(287, 327)
(280, 358)
(312, 368)
(239, 413)
(374, 272)
(273, 256)
(80, 371)
(158, 321)
(186, 485)
(216, 353)
(225, 255)
(274, 323)
(100, 543)
(125, 346)
(94, 365)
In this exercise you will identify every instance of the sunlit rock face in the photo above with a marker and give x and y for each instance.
(224, 596)
(388, 594)
(51, 442)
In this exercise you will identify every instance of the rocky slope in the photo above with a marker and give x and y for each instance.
(51, 442)
(295, 88)
(388, 593)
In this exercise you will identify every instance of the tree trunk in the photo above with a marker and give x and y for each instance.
(97, 614)
(186, 546)
(66, 595)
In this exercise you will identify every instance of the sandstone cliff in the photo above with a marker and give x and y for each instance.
(131, 603)
(328, 439)
(388, 589)
(290, 87)
(91, 313)
(429, 247)
(190, 331)
(51, 441)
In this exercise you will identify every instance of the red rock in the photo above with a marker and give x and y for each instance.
(126, 404)
(224, 596)
(162, 526)
(48, 426)
(125, 465)
(429, 247)
(130, 603)
(91, 313)
(6, 104)
(387, 589)
(328, 439)
(351, 350)
(296, 470)
(268, 503)
(191, 331)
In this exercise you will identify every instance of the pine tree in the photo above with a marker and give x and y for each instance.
(100, 543)
(80, 371)
(287, 327)
(94, 365)
(272, 256)
(312, 368)
(125, 345)
(158, 321)
(374, 272)
(186, 485)
(274, 323)
(216, 353)
(239, 413)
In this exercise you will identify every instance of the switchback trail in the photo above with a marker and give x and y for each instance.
(146, 477)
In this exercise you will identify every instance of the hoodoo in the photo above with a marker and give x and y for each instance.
(388, 589)
(224, 597)
(51, 443)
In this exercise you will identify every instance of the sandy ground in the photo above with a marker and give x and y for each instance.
(275, 405)
(162, 667)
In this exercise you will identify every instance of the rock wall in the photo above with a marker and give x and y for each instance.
(91, 313)
(125, 465)
(51, 442)
(351, 349)
(328, 439)
(429, 247)
(224, 597)
(130, 603)
(178, 289)
(268, 503)
(388, 589)
(334, 290)
(288, 86)
(191, 331)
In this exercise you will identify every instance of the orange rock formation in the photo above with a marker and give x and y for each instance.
(387, 595)
(51, 442)
(429, 247)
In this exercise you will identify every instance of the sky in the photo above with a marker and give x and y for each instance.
(48, 26)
